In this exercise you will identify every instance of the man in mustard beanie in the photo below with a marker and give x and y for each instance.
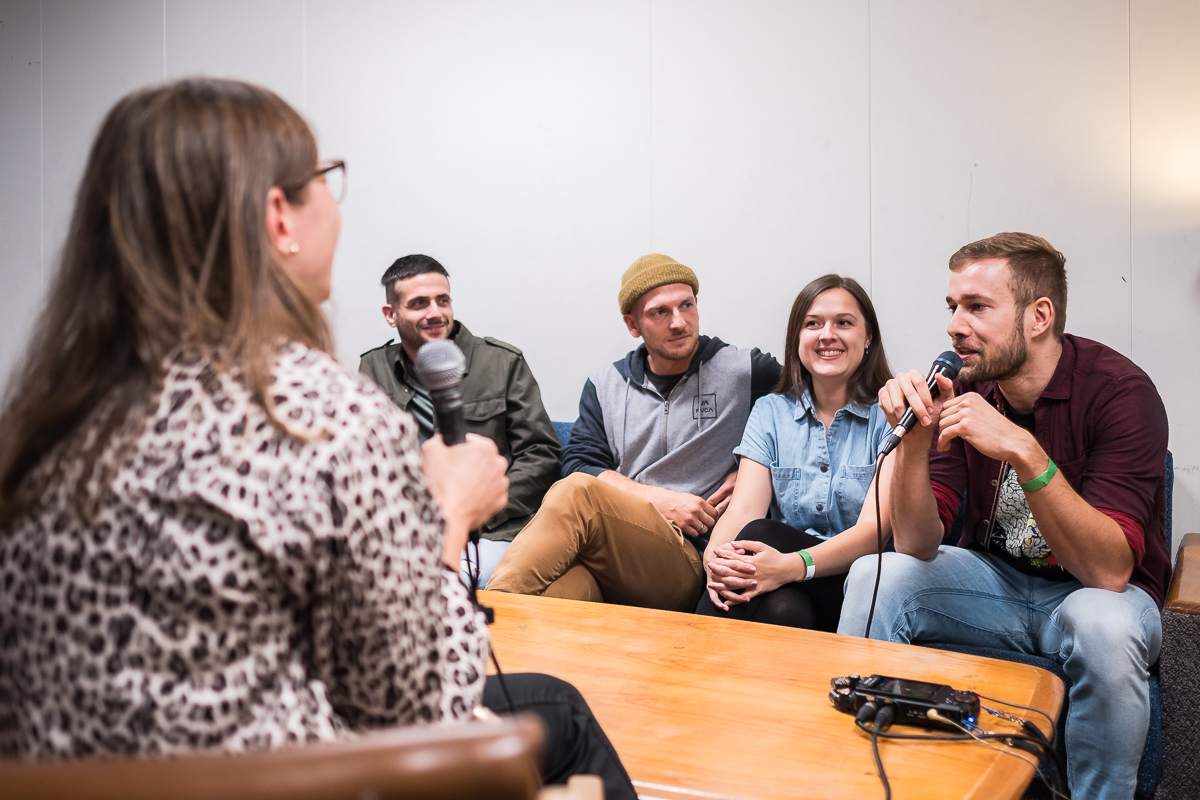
(649, 463)
(650, 272)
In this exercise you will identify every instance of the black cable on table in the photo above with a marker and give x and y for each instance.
(887, 788)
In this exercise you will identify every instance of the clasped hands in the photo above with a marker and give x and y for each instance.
(739, 571)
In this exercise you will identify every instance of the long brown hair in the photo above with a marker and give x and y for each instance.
(167, 248)
(871, 374)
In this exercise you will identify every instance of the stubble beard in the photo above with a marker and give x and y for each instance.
(426, 337)
(666, 355)
(1001, 365)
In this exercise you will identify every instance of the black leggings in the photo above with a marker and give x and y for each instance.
(813, 604)
(575, 745)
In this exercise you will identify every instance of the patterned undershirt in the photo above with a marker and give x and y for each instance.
(1015, 535)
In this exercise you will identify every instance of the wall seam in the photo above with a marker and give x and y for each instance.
(164, 15)
(870, 168)
(42, 143)
(1129, 112)
(304, 56)
(650, 79)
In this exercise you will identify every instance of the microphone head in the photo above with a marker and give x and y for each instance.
(948, 363)
(440, 364)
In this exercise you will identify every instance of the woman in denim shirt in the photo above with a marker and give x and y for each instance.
(807, 457)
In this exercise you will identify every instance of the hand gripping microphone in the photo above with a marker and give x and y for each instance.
(948, 364)
(440, 367)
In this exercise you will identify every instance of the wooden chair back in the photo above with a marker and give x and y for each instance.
(496, 760)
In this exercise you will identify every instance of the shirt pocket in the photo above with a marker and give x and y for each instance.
(486, 417)
(790, 485)
(1073, 471)
(849, 491)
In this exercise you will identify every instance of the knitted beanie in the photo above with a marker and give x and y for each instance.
(650, 272)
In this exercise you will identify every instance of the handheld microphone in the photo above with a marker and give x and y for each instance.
(948, 364)
(440, 367)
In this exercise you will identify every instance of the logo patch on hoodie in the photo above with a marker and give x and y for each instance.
(704, 406)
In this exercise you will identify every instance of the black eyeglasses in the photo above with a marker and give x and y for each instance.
(334, 175)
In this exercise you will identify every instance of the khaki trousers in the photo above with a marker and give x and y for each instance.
(592, 541)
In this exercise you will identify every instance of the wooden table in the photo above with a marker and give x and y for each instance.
(713, 709)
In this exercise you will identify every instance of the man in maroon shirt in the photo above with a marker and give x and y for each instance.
(1056, 445)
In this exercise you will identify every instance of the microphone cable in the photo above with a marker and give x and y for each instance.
(1038, 745)
(879, 543)
(489, 613)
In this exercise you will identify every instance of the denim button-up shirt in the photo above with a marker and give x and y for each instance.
(820, 478)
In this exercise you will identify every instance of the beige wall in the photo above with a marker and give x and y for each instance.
(537, 148)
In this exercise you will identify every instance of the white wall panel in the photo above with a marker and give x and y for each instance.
(761, 154)
(1165, 126)
(990, 117)
(262, 42)
(538, 147)
(94, 53)
(508, 140)
(21, 273)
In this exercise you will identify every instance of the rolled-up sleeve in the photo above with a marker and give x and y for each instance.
(1125, 463)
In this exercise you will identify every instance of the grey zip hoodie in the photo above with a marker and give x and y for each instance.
(683, 441)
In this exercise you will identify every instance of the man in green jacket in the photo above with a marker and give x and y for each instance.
(501, 399)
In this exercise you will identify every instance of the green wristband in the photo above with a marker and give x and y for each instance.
(808, 563)
(1041, 480)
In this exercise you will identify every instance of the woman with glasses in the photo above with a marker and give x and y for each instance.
(807, 455)
(211, 533)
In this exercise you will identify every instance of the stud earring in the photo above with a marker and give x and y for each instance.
(295, 248)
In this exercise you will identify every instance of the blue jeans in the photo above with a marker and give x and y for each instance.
(489, 557)
(1105, 642)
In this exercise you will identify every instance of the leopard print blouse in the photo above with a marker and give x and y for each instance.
(237, 587)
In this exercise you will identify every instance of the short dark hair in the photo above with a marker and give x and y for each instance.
(407, 267)
(1038, 270)
(871, 374)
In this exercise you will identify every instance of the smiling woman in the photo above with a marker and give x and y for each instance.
(808, 454)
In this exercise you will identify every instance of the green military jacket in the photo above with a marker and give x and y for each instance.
(501, 401)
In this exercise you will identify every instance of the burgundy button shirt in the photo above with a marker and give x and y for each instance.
(1101, 420)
